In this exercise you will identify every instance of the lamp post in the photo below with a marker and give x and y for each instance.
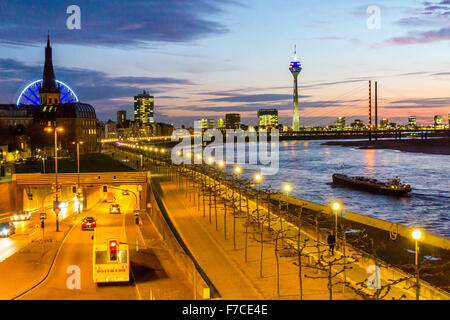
(221, 164)
(78, 170)
(237, 170)
(210, 162)
(336, 206)
(56, 130)
(258, 178)
(417, 235)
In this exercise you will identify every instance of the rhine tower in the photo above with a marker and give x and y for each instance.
(295, 68)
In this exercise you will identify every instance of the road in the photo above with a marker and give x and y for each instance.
(76, 250)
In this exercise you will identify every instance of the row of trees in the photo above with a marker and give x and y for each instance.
(275, 223)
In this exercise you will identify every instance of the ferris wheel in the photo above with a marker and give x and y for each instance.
(30, 94)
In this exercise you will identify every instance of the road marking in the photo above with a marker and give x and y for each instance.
(125, 233)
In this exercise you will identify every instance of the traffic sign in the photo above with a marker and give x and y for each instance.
(136, 213)
(43, 215)
(57, 210)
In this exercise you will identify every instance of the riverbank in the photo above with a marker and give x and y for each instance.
(429, 146)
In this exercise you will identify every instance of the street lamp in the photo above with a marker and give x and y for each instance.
(287, 188)
(258, 178)
(78, 167)
(417, 235)
(336, 206)
(56, 130)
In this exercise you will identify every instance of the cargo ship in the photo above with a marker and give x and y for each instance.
(391, 187)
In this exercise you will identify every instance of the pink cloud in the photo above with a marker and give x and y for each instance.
(422, 37)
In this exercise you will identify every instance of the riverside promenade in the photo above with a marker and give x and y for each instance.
(268, 259)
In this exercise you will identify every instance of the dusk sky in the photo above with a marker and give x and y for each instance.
(204, 58)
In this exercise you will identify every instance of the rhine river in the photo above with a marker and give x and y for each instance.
(308, 166)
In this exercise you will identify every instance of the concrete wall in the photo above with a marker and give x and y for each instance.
(7, 197)
(428, 238)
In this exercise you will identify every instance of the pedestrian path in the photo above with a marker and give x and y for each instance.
(217, 257)
(223, 272)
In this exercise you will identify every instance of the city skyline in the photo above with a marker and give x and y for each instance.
(201, 73)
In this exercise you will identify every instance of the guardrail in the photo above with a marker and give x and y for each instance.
(39, 179)
(172, 238)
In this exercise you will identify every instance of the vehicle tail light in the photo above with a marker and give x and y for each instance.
(113, 250)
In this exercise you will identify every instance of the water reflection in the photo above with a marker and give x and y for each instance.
(309, 166)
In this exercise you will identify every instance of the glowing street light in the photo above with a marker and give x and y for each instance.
(221, 164)
(287, 188)
(210, 160)
(238, 170)
(336, 206)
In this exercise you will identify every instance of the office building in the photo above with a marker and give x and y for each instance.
(267, 118)
(438, 122)
(121, 117)
(233, 121)
(412, 121)
(144, 109)
(203, 124)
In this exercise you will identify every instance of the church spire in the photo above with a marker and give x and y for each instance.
(49, 85)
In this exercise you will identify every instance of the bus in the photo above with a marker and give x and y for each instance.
(111, 258)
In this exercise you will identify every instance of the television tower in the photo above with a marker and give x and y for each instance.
(295, 68)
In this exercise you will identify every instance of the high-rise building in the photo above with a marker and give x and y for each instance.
(144, 109)
(204, 124)
(412, 121)
(357, 124)
(121, 117)
(267, 118)
(339, 123)
(220, 123)
(438, 122)
(295, 68)
(384, 123)
(232, 121)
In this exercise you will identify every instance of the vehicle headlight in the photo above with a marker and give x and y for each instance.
(22, 217)
(16, 217)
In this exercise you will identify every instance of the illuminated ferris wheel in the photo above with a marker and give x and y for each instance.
(30, 95)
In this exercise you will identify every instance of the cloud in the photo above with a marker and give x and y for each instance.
(111, 23)
(419, 103)
(90, 85)
(441, 74)
(421, 37)
(263, 97)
